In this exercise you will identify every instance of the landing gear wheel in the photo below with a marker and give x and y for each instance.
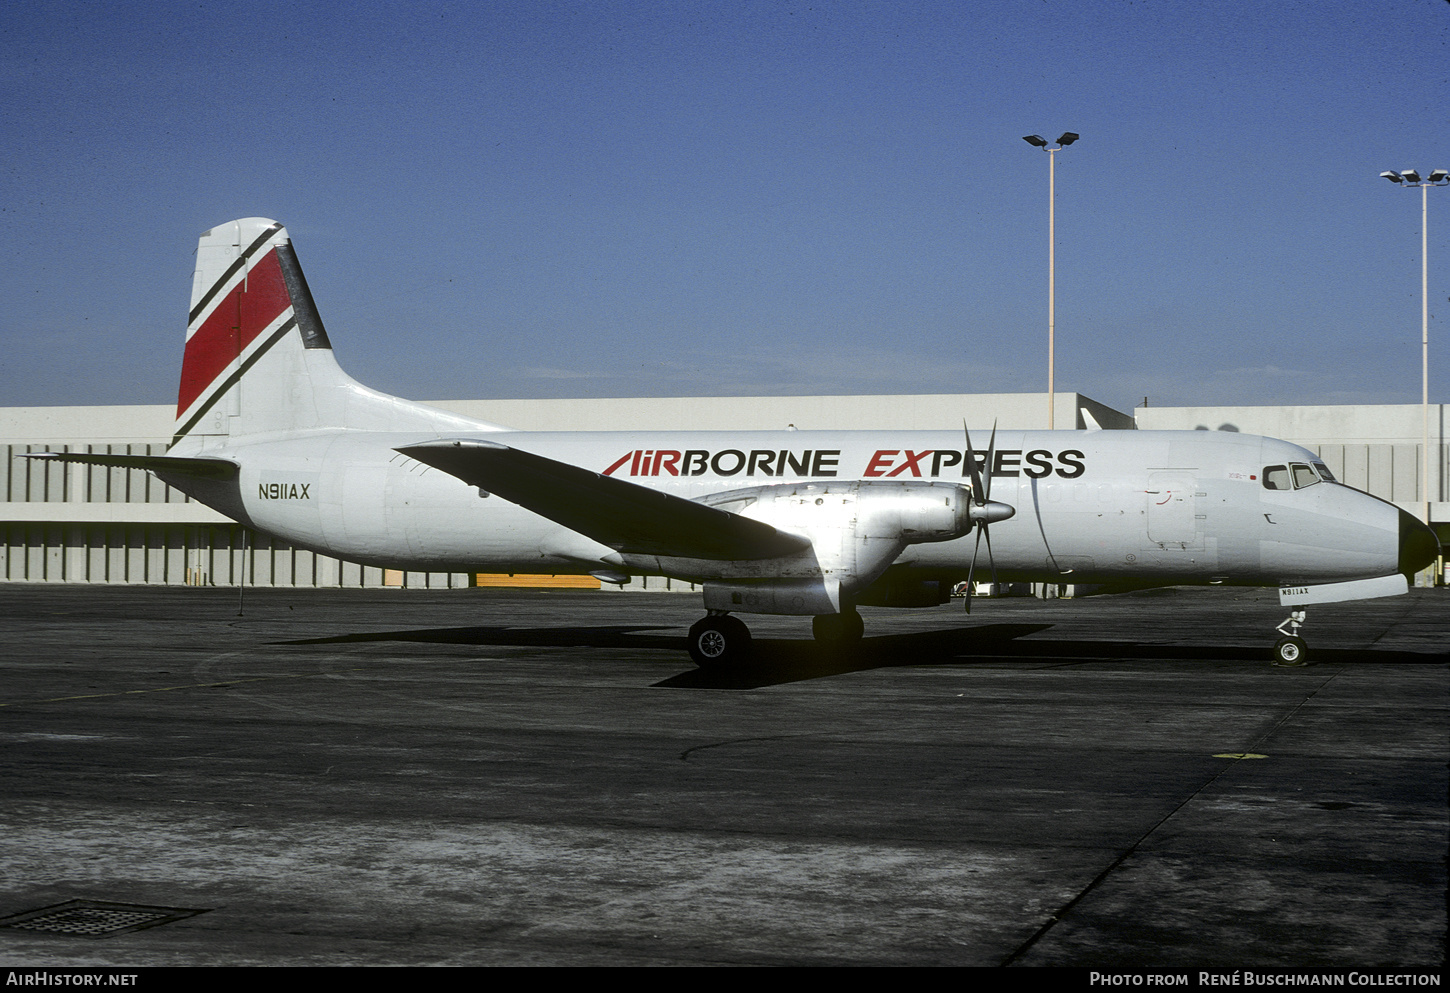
(1290, 651)
(718, 641)
(844, 628)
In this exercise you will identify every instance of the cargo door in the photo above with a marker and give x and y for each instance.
(1172, 506)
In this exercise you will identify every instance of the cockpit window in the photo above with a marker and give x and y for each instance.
(1295, 475)
(1276, 477)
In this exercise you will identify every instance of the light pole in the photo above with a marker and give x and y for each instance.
(1410, 177)
(1068, 137)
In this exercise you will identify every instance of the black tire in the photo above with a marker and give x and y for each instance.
(838, 629)
(719, 641)
(1290, 651)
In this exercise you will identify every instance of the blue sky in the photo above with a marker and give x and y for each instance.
(673, 199)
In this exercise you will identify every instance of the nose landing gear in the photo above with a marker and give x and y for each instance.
(1291, 649)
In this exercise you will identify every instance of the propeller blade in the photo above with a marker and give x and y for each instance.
(984, 512)
(990, 560)
(972, 568)
(1042, 530)
(991, 454)
(977, 497)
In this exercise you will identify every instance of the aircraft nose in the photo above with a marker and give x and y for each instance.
(1418, 544)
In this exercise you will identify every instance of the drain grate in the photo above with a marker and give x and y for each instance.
(95, 918)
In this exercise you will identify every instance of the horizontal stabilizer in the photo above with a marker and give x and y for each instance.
(199, 468)
(623, 515)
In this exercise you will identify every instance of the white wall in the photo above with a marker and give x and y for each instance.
(1375, 447)
(912, 412)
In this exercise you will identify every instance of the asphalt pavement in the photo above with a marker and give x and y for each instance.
(497, 777)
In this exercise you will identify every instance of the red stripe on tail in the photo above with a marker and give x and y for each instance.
(248, 310)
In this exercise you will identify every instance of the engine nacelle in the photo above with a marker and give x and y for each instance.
(908, 511)
(913, 512)
(857, 529)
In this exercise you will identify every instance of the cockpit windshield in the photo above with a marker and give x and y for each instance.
(1296, 475)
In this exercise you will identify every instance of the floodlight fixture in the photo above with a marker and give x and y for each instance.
(1037, 141)
(1410, 178)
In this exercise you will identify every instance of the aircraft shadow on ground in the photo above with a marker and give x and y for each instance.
(780, 660)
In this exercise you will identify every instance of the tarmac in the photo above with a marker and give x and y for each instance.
(507, 777)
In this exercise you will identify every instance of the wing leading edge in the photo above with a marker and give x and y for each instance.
(623, 515)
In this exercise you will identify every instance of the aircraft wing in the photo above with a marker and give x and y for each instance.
(623, 515)
(203, 468)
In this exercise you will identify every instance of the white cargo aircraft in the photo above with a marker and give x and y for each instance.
(272, 433)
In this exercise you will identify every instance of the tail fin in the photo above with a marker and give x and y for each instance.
(258, 360)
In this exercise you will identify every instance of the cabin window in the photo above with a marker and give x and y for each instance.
(1276, 477)
(1324, 472)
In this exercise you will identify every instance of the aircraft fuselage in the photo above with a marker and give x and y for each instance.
(1092, 506)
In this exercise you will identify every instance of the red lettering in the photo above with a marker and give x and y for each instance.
(880, 461)
(667, 461)
(622, 459)
(912, 458)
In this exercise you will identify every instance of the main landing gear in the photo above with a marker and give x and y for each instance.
(1291, 649)
(838, 629)
(718, 640)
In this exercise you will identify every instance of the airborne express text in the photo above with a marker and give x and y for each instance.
(884, 463)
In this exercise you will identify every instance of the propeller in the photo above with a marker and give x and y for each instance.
(1042, 530)
(984, 511)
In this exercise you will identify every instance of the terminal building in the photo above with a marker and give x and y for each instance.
(94, 524)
